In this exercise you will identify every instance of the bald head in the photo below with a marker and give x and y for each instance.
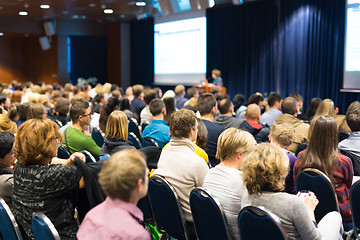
(289, 106)
(252, 112)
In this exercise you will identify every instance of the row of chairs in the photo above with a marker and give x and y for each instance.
(42, 227)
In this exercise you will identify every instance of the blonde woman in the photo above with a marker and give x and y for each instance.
(264, 173)
(6, 125)
(326, 107)
(116, 134)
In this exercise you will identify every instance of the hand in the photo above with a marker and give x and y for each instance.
(336, 111)
(310, 201)
(77, 154)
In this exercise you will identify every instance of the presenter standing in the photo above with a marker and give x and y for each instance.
(216, 75)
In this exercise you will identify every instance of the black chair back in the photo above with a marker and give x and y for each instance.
(355, 206)
(258, 223)
(97, 136)
(43, 228)
(149, 142)
(133, 127)
(9, 229)
(205, 207)
(355, 159)
(316, 181)
(134, 140)
(63, 153)
(145, 207)
(167, 212)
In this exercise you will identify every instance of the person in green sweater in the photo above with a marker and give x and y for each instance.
(76, 139)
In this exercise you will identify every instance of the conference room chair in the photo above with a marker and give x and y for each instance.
(259, 223)
(144, 205)
(149, 142)
(355, 159)
(166, 208)
(63, 153)
(43, 228)
(208, 215)
(314, 180)
(134, 140)
(97, 137)
(355, 207)
(134, 128)
(9, 229)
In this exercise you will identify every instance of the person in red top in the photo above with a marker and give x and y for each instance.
(322, 153)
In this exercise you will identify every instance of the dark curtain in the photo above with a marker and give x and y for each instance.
(241, 42)
(142, 52)
(88, 58)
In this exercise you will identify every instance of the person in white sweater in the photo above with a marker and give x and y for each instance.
(224, 181)
(178, 162)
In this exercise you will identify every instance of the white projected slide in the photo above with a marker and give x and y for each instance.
(352, 46)
(180, 51)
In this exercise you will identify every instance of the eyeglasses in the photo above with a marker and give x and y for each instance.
(86, 115)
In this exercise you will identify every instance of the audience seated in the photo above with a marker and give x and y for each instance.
(178, 162)
(274, 102)
(6, 124)
(124, 180)
(37, 111)
(7, 160)
(225, 118)
(116, 134)
(290, 109)
(300, 102)
(40, 186)
(322, 154)
(193, 95)
(207, 109)
(314, 104)
(252, 125)
(75, 138)
(22, 111)
(145, 114)
(158, 128)
(256, 98)
(137, 103)
(111, 105)
(62, 107)
(224, 181)
(264, 172)
(180, 98)
(170, 108)
(201, 140)
(282, 135)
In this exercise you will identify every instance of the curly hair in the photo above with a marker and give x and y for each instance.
(283, 134)
(265, 169)
(182, 122)
(33, 141)
(6, 124)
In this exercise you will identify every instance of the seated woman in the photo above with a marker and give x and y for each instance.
(264, 173)
(322, 153)
(41, 187)
(116, 134)
(7, 159)
(224, 181)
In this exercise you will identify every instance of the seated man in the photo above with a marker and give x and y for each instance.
(180, 96)
(124, 180)
(252, 125)
(225, 118)
(178, 162)
(145, 114)
(75, 138)
(158, 128)
(283, 135)
(137, 104)
(224, 181)
(269, 117)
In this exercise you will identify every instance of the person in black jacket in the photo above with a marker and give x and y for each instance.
(116, 134)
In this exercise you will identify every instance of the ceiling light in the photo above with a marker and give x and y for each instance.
(1, 34)
(108, 11)
(141, 4)
(23, 13)
(92, 5)
(44, 6)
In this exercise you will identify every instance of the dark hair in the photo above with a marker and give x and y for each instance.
(124, 104)
(255, 98)
(137, 90)
(106, 110)
(23, 109)
(62, 106)
(206, 102)
(297, 97)
(13, 111)
(191, 92)
(96, 101)
(181, 123)
(224, 106)
(35, 110)
(78, 108)
(202, 136)
(170, 108)
(353, 119)
(156, 106)
(314, 104)
(238, 100)
(2, 99)
(149, 95)
(273, 98)
(6, 143)
(289, 105)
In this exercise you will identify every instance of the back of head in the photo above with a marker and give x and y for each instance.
(77, 109)
(179, 90)
(273, 98)
(255, 98)
(265, 169)
(224, 106)
(314, 104)
(124, 103)
(36, 110)
(252, 111)
(238, 100)
(156, 106)
(353, 118)
(23, 109)
(216, 72)
(297, 96)
(233, 141)
(206, 102)
(137, 90)
(202, 135)
(181, 123)
(6, 143)
(326, 107)
(191, 92)
(117, 125)
(6, 124)
(121, 173)
(289, 106)
(149, 95)
(62, 106)
(283, 134)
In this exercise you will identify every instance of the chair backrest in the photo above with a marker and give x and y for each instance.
(354, 204)
(145, 207)
(205, 207)
(355, 159)
(43, 228)
(258, 223)
(9, 229)
(133, 127)
(149, 142)
(63, 153)
(134, 140)
(97, 136)
(89, 157)
(316, 181)
(167, 212)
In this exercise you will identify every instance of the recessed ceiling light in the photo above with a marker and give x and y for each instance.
(92, 5)
(1, 34)
(23, 13)
(44, 6)
(108, 11)
(26, 5)
(75, 17)
(140, 4)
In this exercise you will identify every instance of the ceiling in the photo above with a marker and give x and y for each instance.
(83, 10)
